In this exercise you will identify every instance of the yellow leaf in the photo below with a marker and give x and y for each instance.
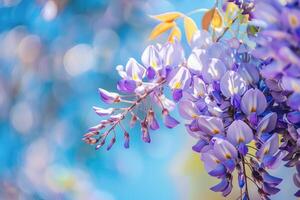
(206, 20)
(190, 28)
(167, 17)
(231, 12)
(217, 21)
(161, 28)
(175, 33)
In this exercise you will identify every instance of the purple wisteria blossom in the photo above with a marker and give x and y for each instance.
(241, 104)
(278, 48)
(142, 85)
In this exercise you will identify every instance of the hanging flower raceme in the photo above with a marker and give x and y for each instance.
(227, 113)
(278, 48)
(142, 84)
(240, 104)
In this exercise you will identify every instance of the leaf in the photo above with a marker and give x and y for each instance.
(190, 28)
(231, 12)
(252, 30)
(175, 33)
(206, 20)
(161, 28)
(167, 17)
(212, 18)
(217, 21)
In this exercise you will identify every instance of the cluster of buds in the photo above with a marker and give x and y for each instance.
(158, 64)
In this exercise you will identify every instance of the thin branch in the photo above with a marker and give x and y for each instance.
(254, 182)
(246, 177)
(134, 104)
(252, 147)
(225, 30)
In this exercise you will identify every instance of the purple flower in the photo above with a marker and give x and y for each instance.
(197, 61)
(267, 124)
(293, 117)
(172, 54)
(215, 70)
(200, 145)
(268, 189)
(151, 119)
(134, 70)
(210, 125)
(291, 17)
(224, 150)
(108, 97)
(198, 88)
(211, 163)
(229, 94)
(151, 58)
(266, 12)
(232, 84)
(220, 187)
(271, 179)
(188, 109)
(201, 39)
(127, 86)
(294, 101)
(145, 132)
(296, 179)
(102, 111)
(169, 121)
(180, 78)
(253, 101)
(126, 140)
(291, 84)
(177, 94)
(239, 132)
(268, 149)
(249, 72)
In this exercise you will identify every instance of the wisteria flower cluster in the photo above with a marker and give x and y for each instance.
(240, 104)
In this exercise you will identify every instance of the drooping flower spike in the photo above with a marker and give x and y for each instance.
(241, 102)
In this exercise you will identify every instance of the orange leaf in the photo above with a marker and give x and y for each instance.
(161, 28)
(190, 28)
(207, 18)
(175, 33)
(217, 21)
(167, 17)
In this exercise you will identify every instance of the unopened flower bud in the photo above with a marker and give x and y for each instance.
(109, 97)
(100, 145)
(102, 111)
(133, 120)
(145, 132)
(126, 140)
(112, 142)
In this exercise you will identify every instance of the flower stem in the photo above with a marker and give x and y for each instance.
(226, 29)
(130, 108)
(246, 177)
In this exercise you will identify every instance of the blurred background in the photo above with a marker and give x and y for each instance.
(54, 54)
